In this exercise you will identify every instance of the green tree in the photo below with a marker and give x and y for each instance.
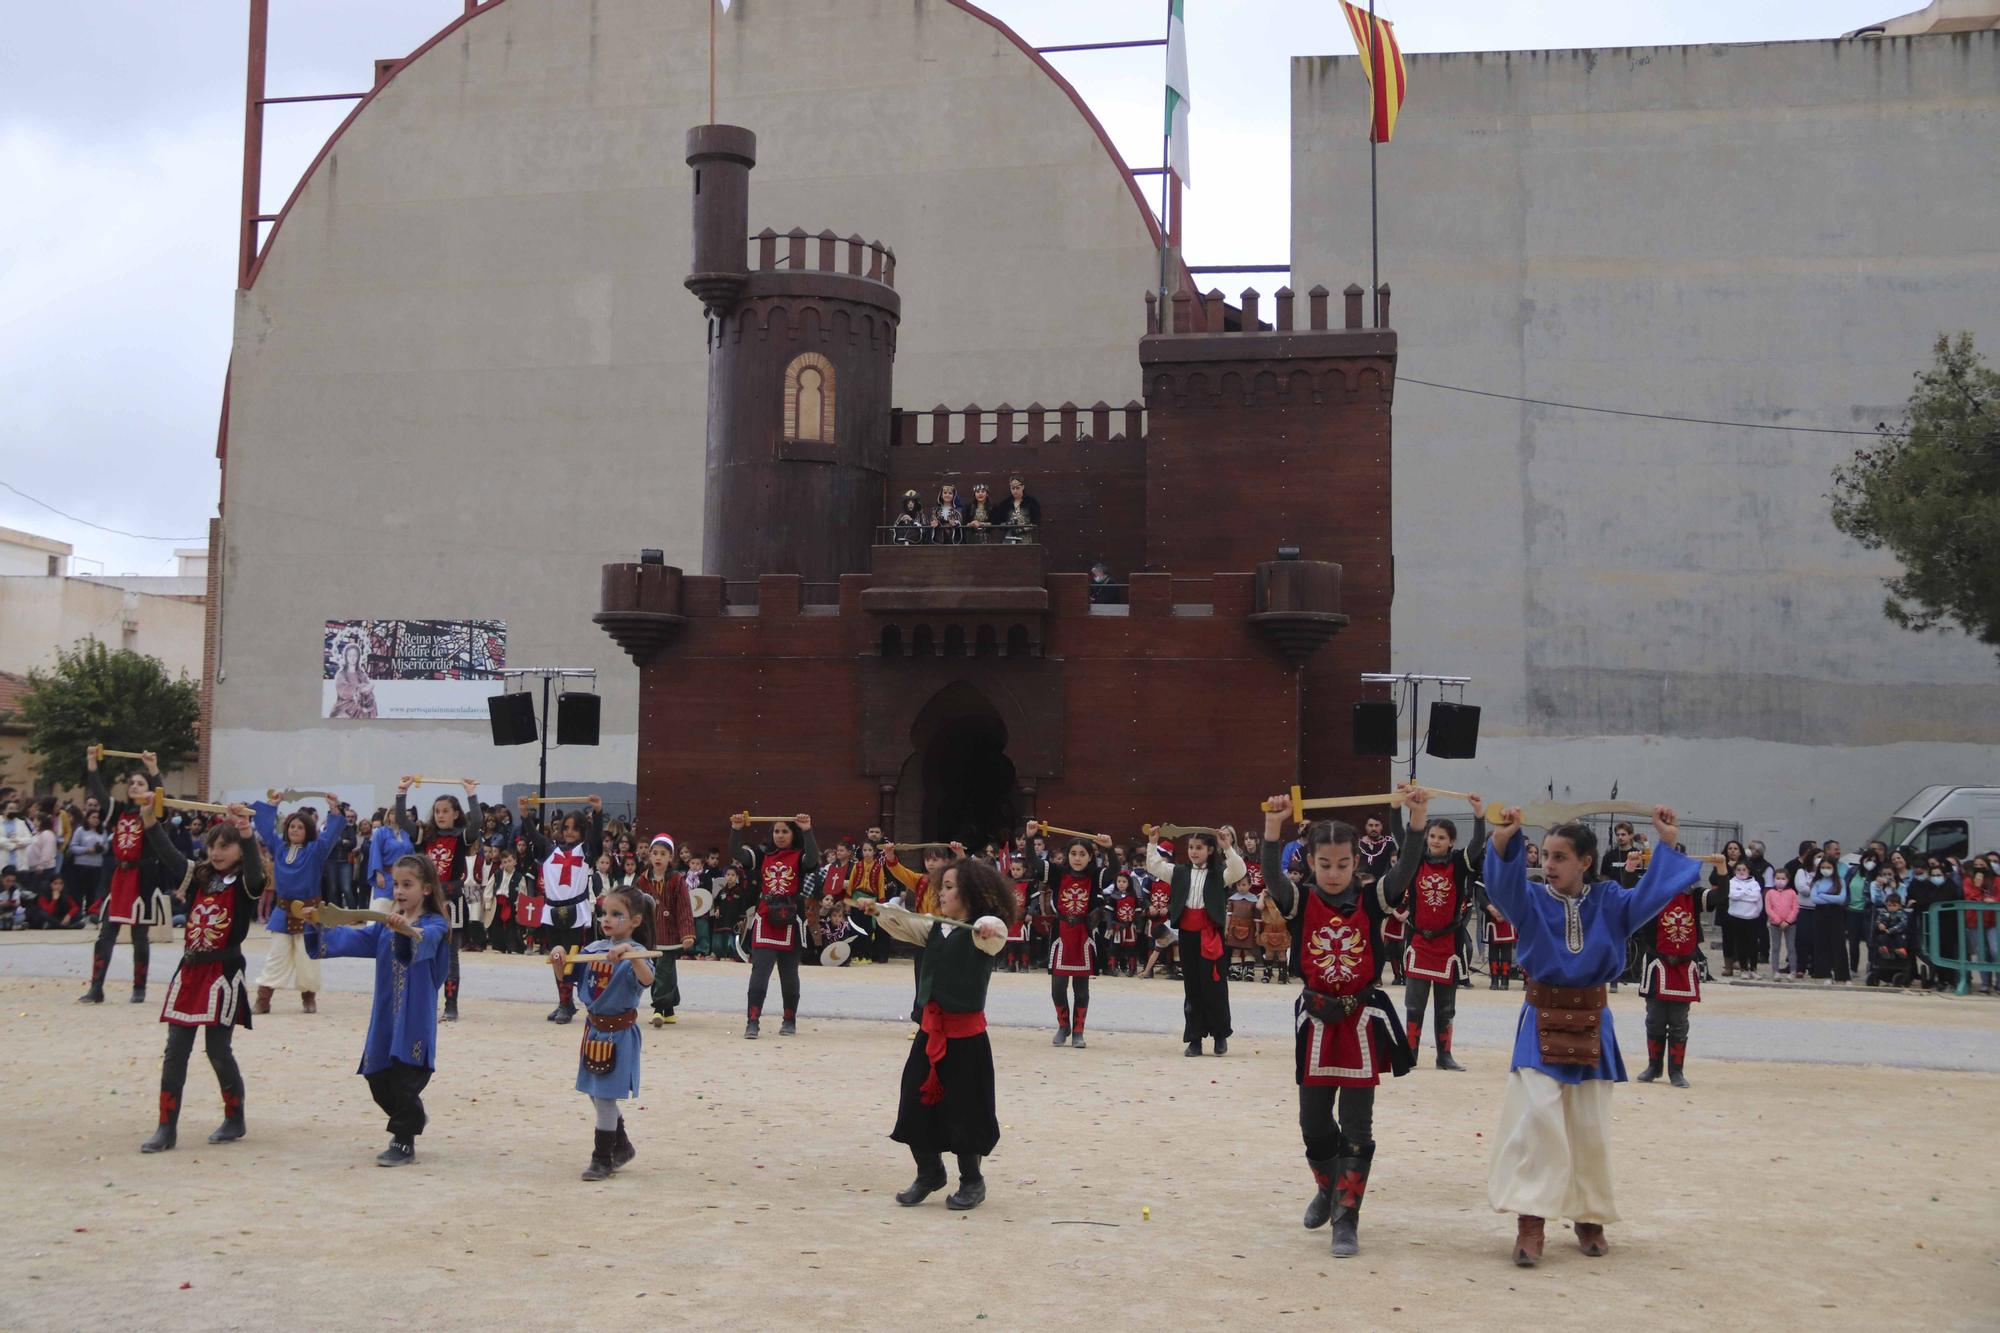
(1930, 493)
(94, 696)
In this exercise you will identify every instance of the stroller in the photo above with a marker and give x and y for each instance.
(1891, 960)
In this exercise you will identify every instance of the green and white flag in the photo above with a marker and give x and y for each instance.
(1177, 92)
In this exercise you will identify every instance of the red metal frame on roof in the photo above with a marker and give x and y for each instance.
(251, 254)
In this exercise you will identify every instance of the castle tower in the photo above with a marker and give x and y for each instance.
(802, 347)
(1266, 435)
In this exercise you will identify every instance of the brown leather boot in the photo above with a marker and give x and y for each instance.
(1590, 1239)
(1528, 1242)
(309, 1001)
(262, 1004)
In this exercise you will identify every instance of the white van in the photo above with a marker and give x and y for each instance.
(1946, 821)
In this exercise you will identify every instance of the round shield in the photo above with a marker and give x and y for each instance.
(835, 954)
(743, 941)
(703, 901)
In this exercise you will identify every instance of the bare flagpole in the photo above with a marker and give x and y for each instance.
(1166, 183)
(711, 58)
(1374, 233)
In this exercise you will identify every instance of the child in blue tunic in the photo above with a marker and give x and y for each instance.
(1552, 1156)
(299, 849)
(411, 952)
(610, 986)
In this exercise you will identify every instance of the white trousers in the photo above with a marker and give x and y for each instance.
(287, 965)
(1552, 1156)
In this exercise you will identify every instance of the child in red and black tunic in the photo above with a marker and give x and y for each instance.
(207, 992)
(775, 925)
(1434, 881)
(1069, 894)
(1348, 1033)
(131, 873)
(1017, 934)
(449, 840)
(1671, 983)
(947, 1103)
(1126, 913)
(1500, 940)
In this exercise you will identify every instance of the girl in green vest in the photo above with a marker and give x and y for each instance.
(947, 1089)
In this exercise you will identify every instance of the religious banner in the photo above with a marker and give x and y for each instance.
(387, 669)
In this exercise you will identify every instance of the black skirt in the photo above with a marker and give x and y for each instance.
(964, 1122)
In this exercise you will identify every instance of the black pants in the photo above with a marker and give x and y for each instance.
(787, 963)
(930, 1165)
(1204, 992)
(1803, 939)
(451, 971)
(1325, 1131)
(1667, 1021)
(666, 985)
(1417, 993)
(1059, 990)
(216, 1039)
(397, 1090)
(1829, 950)
(100, 953)
(1857, 933)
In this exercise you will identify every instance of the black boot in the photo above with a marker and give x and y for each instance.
(1350, 1182)
(750, 1029)
(1444, 1060)
(1193, 1048)
(1062, 1036)
(1321, 1207)
(604, 1143)
(788, 1026)
(1676, 1058)
(622, 1151)
(232, 1127)
(1652, 1070)
(400, 1152)
(971, 1190)
(170, 1117)
(451, 1002)
(930, 1179)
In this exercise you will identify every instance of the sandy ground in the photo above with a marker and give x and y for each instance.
(1779, 1195)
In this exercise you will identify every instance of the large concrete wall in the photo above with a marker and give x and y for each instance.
(1769, 233)
(467, 374)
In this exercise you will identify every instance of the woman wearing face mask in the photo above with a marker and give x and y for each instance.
(1933, 885)
(1829, 898)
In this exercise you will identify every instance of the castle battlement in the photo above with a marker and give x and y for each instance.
(864, 259)
(1066, 423)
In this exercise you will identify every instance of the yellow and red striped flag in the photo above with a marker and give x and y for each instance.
(1382, 58)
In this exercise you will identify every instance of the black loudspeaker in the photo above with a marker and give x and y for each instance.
(1454, 731)
(513, 718)
(1375, 727)
(576, 719)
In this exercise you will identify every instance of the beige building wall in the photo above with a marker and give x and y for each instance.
(1768, 233)
(468, 374)
(40, 614)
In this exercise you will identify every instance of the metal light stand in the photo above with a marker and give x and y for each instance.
(1414, 682)
(549, 675)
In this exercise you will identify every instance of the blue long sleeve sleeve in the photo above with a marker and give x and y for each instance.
(1668, 875)
(1507, 879)
(344, 941)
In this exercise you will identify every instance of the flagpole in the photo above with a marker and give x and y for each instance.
(1374, 232)
(711, 59)
(1166, 183)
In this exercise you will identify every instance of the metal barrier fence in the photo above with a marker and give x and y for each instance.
(1972, 939)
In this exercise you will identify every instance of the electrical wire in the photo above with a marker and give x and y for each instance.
(1626, 412)
(137, 536)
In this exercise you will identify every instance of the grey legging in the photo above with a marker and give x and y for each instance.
(607, 1112)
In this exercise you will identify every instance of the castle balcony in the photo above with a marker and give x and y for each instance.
(975, 599)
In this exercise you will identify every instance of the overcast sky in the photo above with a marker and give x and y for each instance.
(121, 152)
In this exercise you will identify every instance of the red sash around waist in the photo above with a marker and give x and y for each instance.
(940, 1028)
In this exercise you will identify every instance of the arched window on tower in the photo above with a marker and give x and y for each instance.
(809, 393)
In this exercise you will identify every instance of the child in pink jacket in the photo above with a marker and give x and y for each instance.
(1781, 909)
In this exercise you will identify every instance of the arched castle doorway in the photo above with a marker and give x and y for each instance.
(958, 782)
